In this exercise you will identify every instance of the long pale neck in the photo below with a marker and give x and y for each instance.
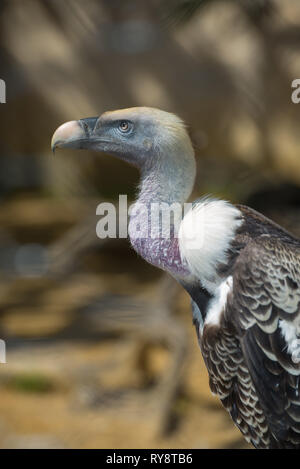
(168, 182)
(167, 185)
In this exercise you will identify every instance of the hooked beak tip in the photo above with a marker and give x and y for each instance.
(65, 134)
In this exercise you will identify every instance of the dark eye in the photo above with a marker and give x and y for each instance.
(124, 126)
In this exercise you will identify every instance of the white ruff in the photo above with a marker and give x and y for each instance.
(218, 303)
(205, 235)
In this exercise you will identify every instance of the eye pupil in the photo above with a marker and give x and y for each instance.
(124, 126)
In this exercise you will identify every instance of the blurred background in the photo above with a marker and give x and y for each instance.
(101, 350)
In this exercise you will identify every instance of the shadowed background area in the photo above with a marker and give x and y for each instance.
(101, 350)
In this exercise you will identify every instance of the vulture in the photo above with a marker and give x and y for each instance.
(241, 270)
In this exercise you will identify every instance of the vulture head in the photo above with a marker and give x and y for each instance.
(145, 137)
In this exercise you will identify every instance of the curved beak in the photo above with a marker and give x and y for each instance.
(74, 134)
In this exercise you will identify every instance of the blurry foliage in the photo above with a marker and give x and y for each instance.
(31, 383)
(181, 11)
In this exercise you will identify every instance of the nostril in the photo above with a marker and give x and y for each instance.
(85, 128)
(88, 125)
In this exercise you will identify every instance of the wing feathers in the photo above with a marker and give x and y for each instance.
(266, 306)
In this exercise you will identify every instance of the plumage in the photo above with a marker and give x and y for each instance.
(255, 307)
(241, 270)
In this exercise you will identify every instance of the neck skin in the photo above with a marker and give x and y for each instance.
(169, 181)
